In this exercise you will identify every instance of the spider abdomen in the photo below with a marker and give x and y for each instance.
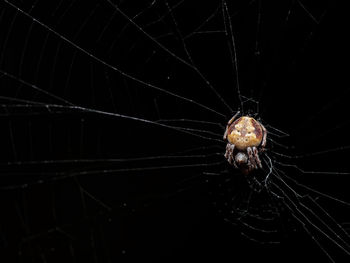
(245, 132)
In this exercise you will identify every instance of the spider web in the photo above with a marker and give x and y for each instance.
(112, 120)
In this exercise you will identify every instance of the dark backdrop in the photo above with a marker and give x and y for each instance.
(292, 61)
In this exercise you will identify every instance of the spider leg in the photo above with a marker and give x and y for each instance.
(251, 158)
(229, 153)
(234, 164)
(263, 144)
(256, 155)
(229, 123)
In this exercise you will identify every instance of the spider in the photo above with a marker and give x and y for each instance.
(246, 137)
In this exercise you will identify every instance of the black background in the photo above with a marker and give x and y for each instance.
(298, 74)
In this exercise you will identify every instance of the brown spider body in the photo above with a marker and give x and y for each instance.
(246, 137)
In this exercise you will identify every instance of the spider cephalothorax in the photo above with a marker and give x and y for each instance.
(246, 137)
